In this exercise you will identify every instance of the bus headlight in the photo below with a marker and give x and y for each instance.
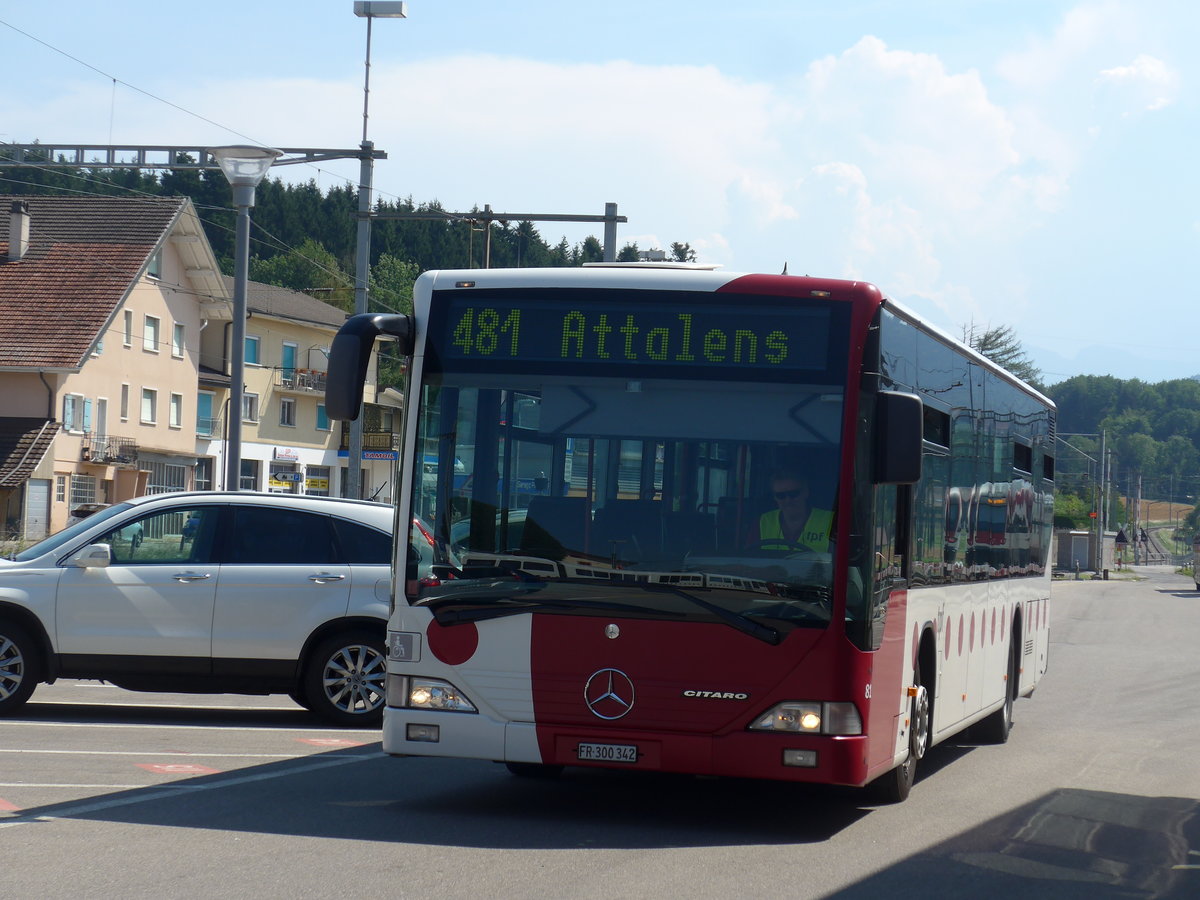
(435, 694)
(810, 717)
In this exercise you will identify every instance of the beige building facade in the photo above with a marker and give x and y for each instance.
(115, 327)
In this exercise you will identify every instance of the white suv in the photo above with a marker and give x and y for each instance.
(207, 593)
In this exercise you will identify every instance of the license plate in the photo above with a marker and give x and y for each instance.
(622, 753)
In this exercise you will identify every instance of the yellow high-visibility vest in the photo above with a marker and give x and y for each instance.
(815, 535)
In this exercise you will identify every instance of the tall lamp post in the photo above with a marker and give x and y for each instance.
(366, 9)
(244, 167)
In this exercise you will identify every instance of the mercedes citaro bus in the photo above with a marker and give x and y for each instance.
(747, 525)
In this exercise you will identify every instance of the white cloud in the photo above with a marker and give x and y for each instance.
(1045, 62)
(877, 162)
(1149, 81)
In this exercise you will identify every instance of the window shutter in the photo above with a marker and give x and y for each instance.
(87, 416)
(68, 417)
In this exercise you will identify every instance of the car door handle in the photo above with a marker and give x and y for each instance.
(192, 576)
(326, 577)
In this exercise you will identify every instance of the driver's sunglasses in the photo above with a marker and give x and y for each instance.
(788, 495)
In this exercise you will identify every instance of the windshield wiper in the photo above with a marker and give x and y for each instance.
(454, 606)
(451, 610)
(745, 624)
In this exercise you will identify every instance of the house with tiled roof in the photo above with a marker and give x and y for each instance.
(115, 329)
(102, 304)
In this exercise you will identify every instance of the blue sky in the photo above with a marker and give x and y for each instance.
(1019, 163)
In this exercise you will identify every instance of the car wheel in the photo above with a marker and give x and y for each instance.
(20, 667)
(344, 679)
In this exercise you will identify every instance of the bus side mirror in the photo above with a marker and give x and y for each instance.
(899, 423)
(350, 354)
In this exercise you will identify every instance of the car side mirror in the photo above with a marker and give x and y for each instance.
(93, 556)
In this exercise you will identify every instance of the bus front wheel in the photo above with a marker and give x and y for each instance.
(894, 787)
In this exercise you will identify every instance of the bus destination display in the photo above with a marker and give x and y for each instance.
(627, 333)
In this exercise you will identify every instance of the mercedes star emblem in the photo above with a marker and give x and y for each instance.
(609, 694)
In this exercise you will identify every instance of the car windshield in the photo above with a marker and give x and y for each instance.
(59, 538)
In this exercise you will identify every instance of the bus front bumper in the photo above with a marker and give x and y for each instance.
(818, 759)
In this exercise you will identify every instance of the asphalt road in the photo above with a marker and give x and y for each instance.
(1097, 794)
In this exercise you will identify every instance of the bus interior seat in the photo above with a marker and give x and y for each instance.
(630, 529)
(555, 526)
(692, 533)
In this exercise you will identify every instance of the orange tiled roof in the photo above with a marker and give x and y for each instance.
(84, 255)
(23, 443)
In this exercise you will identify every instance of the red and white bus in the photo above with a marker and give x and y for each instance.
(607, 440)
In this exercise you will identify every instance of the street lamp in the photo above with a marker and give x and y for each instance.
(365, 9)
(244, 167)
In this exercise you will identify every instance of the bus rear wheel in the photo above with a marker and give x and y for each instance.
(996, 727)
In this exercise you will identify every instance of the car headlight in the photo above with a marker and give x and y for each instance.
(432, 694)
(810, 717)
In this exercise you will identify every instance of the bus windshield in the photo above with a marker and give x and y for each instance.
(664, 498)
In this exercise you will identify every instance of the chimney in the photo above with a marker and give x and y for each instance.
(18, 230)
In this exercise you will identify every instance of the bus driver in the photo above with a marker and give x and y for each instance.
(792, 524)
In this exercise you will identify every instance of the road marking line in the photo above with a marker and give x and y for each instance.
(160, 794)
(10, 722)
(164, 706)
(173, 754)
(66, 785)
(177, 769)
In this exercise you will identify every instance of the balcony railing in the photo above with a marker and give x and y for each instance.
(300, 381)
(372, 440)
(109, 450)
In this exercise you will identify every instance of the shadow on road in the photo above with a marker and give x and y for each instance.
(360, 794)
(1069, 844)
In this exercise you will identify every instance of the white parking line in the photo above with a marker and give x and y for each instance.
(110, 787)
(292, 730)
(160, 793)
(172, 754)
(165, 706)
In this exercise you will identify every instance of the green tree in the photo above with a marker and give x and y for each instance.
(1071, 510)
(392, 281)
(309, 268)
(682, 252)
(590, 251)
(1001, 345)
